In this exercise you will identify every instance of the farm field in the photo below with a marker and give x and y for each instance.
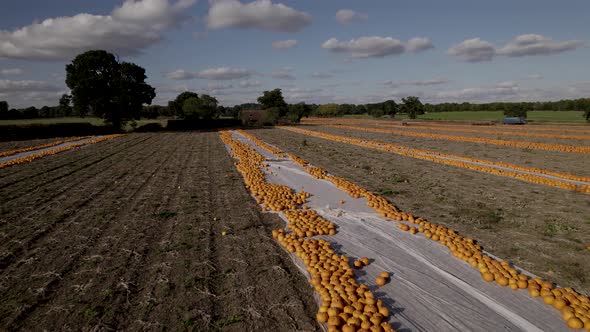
(534, 116)
(13, 145)
(92, 120)
(143, 232)
(542, 229)
(573, 163)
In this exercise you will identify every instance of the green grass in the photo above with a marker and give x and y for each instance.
(92, 120)
(533, 116)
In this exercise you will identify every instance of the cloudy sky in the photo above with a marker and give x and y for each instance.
(316, 51)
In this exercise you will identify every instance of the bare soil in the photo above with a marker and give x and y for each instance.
(566, 162)
(127, 235)
(12, 145)
(539, 228)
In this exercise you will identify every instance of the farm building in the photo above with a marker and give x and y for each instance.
(252, 117)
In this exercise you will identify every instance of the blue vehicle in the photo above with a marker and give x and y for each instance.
(517, 121)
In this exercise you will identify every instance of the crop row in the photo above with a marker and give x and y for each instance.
(530, 129)
(479, 165)
(346, 305)
(38, 147)
(32, 157)
(485, 131)
(575, 307)
(501, 142)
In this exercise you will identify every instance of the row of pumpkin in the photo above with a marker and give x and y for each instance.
(34, 156)
(517, 144)
(345, 305)
(452, 126)
(42, 146)
(575, 307)
(481, 165)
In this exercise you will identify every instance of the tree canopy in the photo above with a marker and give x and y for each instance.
(273, 99)
(176, 105)
(515, 110)
(109, 89)
(412, 106)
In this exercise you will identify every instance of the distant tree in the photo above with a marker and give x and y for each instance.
(515, 110)
(587, 115)
(109, 89)
(199, 108)
(412, 106)
(375, 110)
(298, 111)
(273, 99)
(390, 108)
(176, 105)
(328, 110)
(65, 105)
(3, 107)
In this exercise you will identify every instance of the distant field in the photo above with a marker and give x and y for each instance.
(536, 116)
(91, 120)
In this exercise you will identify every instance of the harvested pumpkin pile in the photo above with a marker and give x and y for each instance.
(407, 269)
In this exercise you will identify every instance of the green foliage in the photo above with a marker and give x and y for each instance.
(271, 116)
(273, 99)
(3, 107)
(109, 89)
(297, 111)
(203, 107)
(412, 106)
(587, 115)
(515, 110)
(65, 106)
(177, 104)
(376, 112)
(328, 110)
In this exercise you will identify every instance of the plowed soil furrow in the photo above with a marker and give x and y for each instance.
(55, 210)
(44, 283)
(146, 254)
(89, 158)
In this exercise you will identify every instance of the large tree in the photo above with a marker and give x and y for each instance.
(297, 111)
(273, 99)
(65, 107)
(109, 89)
(412, 106)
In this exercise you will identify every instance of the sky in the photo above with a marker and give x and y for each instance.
(316, 51)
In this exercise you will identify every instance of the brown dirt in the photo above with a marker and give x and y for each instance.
(120, 236)
(12, 145)
(540, 228)
(573, 163)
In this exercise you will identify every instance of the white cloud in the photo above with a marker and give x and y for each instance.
(319, 75)
(477, 50)
(26, 85)
(128, 30)
(532, 44)
(434, 81)
(366, 47)
(259, 14)
(473, 50)
(218, 86)
(179, 74)
(346, 16)
(249, 84)
(284, 44)
(419, 44)
(535, 77)
(223, 73)
(281, 75)
(220, 73)
(11, 71)
(498, 92)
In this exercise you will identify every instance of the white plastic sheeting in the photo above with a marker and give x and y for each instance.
(430, 290)
(28, 153)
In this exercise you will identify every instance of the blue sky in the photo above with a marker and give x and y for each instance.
(332, 51)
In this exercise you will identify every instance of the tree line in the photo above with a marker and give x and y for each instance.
(116, 91)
